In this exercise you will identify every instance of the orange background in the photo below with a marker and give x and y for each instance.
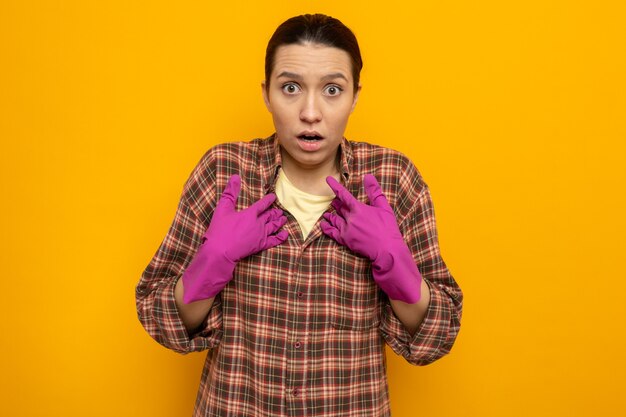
(514, 112)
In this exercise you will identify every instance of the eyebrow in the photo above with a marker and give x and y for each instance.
(331, 76)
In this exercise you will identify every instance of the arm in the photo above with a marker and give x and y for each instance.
(439, 327)
(405, 256)
(405, 262)
(231, 236)
(156, 298)
(412, 315)
(181, 328)
(194, 313)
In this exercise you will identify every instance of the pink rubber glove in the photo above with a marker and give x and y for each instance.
(372, 231)
(231, 236)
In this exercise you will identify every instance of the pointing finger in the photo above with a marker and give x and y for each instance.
(263, 204)
(336, 221)
(273, 226)
(231, 192)
(276, 213)
(341, 192)
(339, 207)
(275, 240)
(336, 203)
(374, 193)
(270, 215)
(331, 232)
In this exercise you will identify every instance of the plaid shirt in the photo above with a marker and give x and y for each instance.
(301, 328)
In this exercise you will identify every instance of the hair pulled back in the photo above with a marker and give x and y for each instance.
(316, 29)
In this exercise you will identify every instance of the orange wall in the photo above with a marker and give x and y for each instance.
(514, 112)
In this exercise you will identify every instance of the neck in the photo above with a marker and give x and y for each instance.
(311, 179)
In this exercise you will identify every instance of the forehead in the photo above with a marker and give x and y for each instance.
(311, 59)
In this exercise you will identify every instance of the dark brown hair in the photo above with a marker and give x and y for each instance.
(317, 29)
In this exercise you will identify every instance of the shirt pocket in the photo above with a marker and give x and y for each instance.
(353, 295)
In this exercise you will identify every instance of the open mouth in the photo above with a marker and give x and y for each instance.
(310, 138)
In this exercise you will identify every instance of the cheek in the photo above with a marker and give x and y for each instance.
(339, 119)
(282, 113)
(279, 118)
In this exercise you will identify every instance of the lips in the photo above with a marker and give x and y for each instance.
(310, 136)
(310, 140)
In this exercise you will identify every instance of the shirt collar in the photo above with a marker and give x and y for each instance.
(271, 161)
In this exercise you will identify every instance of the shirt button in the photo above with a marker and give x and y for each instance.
(300, 294)
(295, 392)
(297, 345)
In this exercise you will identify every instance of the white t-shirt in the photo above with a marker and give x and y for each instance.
(306, 208)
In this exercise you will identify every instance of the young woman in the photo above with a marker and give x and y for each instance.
(294, 258)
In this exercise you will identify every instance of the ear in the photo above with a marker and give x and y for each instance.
(355, 98)
(266, 97)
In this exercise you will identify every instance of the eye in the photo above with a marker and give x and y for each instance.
(333, 90)
(290, 88)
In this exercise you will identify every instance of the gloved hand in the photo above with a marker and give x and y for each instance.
(372, 231)
(231, 236)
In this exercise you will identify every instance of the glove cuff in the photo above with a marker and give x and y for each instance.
(397, 274)
(207, 274)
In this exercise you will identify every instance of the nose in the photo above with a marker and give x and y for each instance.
(310, 111)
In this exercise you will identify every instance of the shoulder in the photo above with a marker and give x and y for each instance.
(371, 156)
(386, 163)
(397, 174)
(217, 164)
(230, 157)
(233, 152)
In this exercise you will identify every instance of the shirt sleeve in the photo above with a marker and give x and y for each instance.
(154, 294)
(438, 331)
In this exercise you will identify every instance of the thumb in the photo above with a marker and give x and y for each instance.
(231, 193)
(374, 193)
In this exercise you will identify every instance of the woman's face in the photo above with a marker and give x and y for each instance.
(310, 96)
